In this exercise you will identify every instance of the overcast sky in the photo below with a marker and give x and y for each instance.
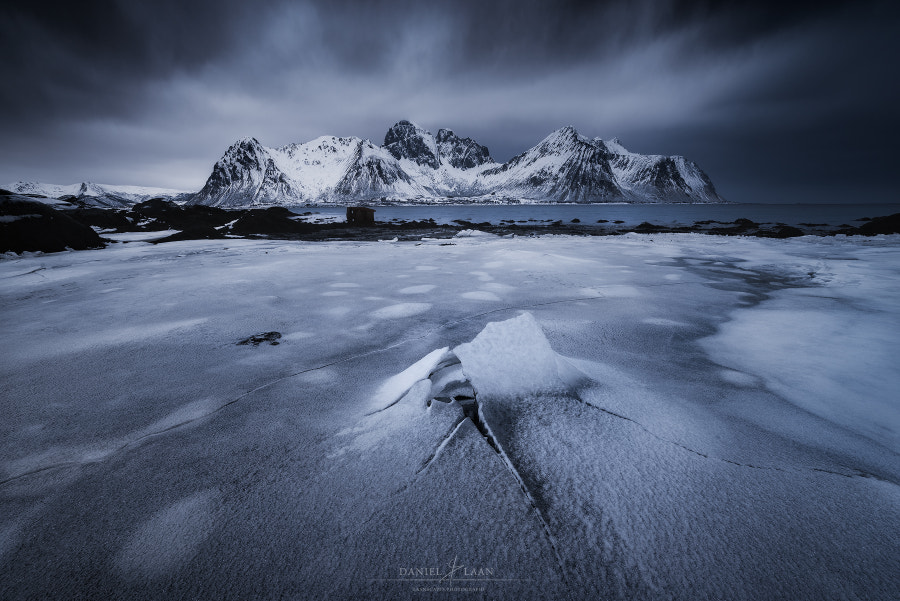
(777, 101)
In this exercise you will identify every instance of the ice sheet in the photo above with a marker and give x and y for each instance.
(726, 433)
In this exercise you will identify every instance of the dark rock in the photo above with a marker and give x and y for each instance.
(603, 221)
(274, 220)
(847, 230)
(107, 219)
(168, 215)
(5, 192)
(889, 224)
(648, 228)
(462, 153)
(257, 339)
(155, 207)
(788, 231)
(739, 227)
(785, 231)
(33, 226)
(194, 232)
(576, 220)
(406, 141)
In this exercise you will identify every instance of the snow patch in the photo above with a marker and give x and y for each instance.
(836, 364)
(422, 289)
(170, 538)
(400, 310)
(482, 295)
(663, 322)
(474, 234)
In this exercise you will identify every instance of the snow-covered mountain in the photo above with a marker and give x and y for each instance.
(100, 195)
(415, 166)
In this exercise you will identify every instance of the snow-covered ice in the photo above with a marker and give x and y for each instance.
(633, 417)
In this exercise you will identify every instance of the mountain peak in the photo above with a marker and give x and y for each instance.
(247, 141)
(558, 141)
(406, 140)
(615, 146)
(462, 153)
(565, 132)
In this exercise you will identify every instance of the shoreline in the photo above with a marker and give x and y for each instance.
(27, 225)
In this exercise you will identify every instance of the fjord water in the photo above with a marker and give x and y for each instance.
(630, 214)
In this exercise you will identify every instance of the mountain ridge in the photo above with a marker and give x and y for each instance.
(414, 166)
(98, 195)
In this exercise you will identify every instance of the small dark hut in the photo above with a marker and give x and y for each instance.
(360, 215)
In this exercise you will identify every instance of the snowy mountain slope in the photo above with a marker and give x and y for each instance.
(660, 177)
(413, 164)
(374, 172)
(564, 166)
(103, 195)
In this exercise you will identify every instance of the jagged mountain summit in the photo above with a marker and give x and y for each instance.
(414, 166)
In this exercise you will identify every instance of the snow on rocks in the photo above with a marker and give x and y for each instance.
(474, 234)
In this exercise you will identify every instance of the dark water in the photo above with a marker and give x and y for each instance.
(660, 214)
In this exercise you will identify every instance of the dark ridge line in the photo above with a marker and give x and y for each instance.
(440, 447)
(119, 449)
(672, 442)
(415, 478)
(385, 408)
(485, 430)
(33, 271)
(42, 469)
(858, 473)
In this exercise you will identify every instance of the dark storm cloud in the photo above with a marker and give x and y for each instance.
(776, 99)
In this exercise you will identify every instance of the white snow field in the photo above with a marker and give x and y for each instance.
(637, 417)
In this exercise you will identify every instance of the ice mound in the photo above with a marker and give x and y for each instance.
(395, 387)
(513, 357)
(506, 358)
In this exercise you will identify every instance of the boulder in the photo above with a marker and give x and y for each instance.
(889, 224)
(274, 220)
(26, 225)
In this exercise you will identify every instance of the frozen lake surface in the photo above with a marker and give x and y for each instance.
(635, 417)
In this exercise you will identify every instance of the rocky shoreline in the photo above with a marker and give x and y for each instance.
(29, 225)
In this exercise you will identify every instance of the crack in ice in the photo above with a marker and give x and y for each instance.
(858, 473)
